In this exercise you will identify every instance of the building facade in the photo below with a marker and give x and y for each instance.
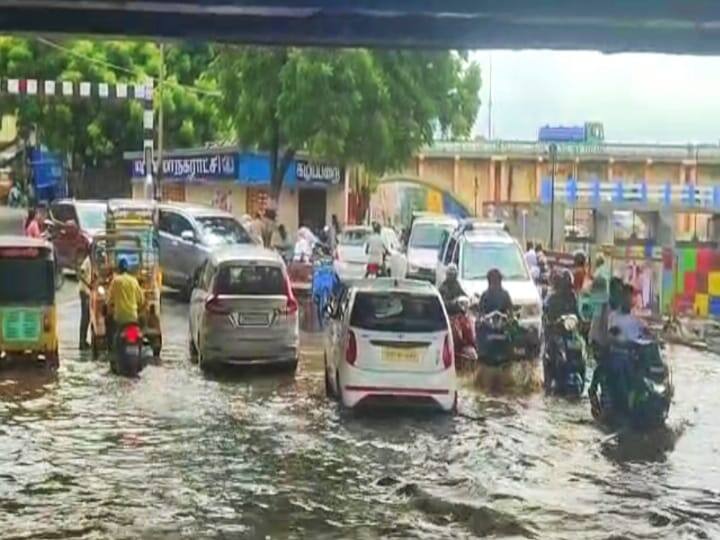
(489, 174)
(239, 182)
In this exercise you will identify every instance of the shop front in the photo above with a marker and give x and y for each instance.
(239, 182)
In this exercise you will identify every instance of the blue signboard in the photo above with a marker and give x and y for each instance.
(197, 167)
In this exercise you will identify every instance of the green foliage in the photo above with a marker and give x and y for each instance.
(95, 131)
(370, 107)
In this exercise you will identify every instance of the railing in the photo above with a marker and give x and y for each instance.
(601, 150)
(594, 194)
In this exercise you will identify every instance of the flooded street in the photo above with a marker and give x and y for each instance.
(175, 454)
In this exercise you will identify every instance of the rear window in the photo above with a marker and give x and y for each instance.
(397, 312)
(250, 280)
(354, 238)
(26, 280)
(429, 235)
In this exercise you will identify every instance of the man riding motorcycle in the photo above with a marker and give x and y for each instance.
(450, 289)
(125, 299)
(495, 297)
(462, 327)
(561, 301)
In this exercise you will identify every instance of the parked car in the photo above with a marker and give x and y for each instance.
(243, 311)
(424, 243)
(351, 259)
(73, 224)
(390, 341)
(187, 235)
(477, 251)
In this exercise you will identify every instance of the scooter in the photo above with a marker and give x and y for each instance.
(126, 357)
(564, 361)
(463, 332)
(635, 384)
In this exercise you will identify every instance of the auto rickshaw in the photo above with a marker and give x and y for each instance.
(105, 253)
(28, 318)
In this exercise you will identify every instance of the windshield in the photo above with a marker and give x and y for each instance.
(92, 218)
(355, 237)
(478, 259)
(428, 235)
(397, 312)
(251, 280)
(223, 230)
(29, 281)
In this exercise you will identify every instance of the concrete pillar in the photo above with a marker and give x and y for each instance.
(538, 178)
(420, 163)
(491, 180)
(649, 177)
(456, 176)
(610, 170)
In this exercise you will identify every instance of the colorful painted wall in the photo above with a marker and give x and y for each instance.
(691, 280)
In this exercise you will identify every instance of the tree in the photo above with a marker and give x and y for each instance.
(371, 107)
(94, 131)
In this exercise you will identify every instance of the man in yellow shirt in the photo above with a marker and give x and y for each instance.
(125, 297)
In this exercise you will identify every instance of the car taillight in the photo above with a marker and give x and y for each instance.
(292, 303)
(214, 305)
(131, 334)
(351, 349)
(47, 322)
(447, 353)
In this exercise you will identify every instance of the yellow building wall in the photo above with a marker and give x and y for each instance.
(438, 172)
(523, 188)
(664, 172)
(468, 171)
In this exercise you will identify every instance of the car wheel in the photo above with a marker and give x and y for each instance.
(328, 385)
(292, 365)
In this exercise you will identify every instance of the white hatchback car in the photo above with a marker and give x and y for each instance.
(389, 341)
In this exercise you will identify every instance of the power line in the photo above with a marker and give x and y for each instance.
(192, 89)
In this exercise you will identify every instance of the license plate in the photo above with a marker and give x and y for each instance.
(252, 319)
(496, 337)
(519, 350)
(401, 356)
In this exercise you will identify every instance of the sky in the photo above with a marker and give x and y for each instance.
(637, 97)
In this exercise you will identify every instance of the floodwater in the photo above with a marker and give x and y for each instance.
(175, 454)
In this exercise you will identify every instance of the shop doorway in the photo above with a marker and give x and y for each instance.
(312, 208)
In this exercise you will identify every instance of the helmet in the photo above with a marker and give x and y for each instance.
(452, 270)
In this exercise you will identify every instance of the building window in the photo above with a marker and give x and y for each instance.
(173, 191)
(257, 201)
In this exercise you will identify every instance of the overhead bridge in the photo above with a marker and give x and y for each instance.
(672, 26)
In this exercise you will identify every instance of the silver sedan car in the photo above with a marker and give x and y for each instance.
(243, 311)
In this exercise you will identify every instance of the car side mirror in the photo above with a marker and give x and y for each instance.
(188, 236)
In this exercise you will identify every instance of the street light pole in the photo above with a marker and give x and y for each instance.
(553, 161)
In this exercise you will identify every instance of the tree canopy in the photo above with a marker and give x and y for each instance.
(97, 131)
(372, 107)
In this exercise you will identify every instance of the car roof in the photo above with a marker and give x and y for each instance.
(488, 236)
(385, 284)
(195, 209)
(441, 219)
(80, 202)
(131, 203)
(244, 252)
(16, 240)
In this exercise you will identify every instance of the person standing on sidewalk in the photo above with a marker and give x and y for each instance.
(84, 288)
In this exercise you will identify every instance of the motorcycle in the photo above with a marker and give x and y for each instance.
(635, 384)
(126, 357)
(564, 361)
(497, 338)
(463, 332)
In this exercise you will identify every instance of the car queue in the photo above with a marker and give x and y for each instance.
(395, 328)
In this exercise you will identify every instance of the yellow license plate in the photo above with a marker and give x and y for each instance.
(401, 356)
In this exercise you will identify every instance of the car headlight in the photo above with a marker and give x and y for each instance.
(530, 311)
